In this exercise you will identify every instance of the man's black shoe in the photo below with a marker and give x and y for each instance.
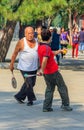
(34, 99)
(30, 103)
(19, 101)
(47, 110)
(66, 108)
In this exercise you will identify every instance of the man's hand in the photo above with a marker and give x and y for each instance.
(11, 67)
(64, 50)
(39, 73)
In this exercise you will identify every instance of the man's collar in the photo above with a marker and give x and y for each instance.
(43, 43)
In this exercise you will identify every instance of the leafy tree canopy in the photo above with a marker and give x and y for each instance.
(27, 11)
(30, 9)
(76, 6)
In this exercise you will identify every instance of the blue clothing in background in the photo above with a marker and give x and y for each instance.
(55, 44)
(81, 41)
(55, 41)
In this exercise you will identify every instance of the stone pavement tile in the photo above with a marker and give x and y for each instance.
(14, 116)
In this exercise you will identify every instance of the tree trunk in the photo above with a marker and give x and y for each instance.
(6, 39)
(49, 21)
(70, 21)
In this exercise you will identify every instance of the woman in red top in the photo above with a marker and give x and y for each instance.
(51, 74)
(75, 43)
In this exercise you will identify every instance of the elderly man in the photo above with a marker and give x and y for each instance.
(28, 64)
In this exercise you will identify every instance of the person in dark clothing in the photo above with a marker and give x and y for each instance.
(55, 44)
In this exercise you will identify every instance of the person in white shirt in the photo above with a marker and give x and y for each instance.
(27, 64)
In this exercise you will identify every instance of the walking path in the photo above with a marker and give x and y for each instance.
(14, 116)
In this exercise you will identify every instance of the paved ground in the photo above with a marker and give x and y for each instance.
(14, 116)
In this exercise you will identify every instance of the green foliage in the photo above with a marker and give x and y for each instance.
(2, 22)
(57, 21)
(32, 10)
(76, 5)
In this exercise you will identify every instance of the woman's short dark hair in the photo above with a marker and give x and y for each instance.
(45, 34)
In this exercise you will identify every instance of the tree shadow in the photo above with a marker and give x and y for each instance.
(72, 64)
(22, 117)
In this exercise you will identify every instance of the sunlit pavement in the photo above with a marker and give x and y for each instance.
(14, 116)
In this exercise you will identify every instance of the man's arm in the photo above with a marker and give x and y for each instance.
(59, 51)
(18, 48)
(44, 62)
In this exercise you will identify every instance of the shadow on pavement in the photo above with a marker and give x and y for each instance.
(72, 64)
(14, 116)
